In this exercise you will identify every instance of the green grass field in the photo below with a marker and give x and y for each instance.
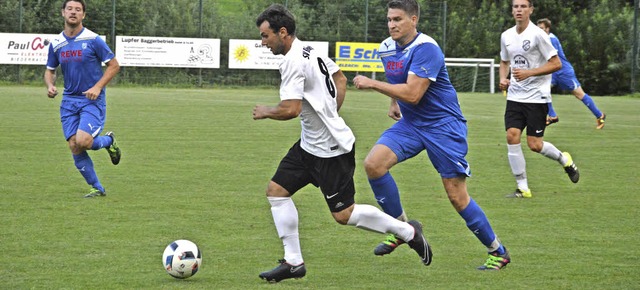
(195, 166)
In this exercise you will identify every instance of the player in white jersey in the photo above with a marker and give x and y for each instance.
(527, 50)
(313, 88)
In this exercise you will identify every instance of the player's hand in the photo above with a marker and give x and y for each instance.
(520, 74)
(394, 112)
(362, 82)
(52, 92)
(504, 84)
(259, 112)
(92, 93)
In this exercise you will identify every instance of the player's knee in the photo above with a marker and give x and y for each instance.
(373, 169)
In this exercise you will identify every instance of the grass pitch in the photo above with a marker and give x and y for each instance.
(195, 166)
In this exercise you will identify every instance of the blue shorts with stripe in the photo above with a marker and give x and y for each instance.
(446, 145)
(565, 81)
(85, 115)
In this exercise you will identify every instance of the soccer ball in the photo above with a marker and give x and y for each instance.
(182, 259)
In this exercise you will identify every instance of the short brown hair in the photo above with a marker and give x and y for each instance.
(545, 21)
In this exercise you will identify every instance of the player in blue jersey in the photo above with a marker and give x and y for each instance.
(425, 105)
(565, 78)
(80, 53)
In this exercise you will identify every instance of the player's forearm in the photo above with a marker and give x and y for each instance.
(400, 92)
(550, 66)
(49, 78)
(504, 70)
(113, 67)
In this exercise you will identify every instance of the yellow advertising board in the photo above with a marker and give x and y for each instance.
(358, 56)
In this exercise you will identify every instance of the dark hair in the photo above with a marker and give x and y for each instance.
(64, 4)
(411, 7)
(530, 2)
(547, 22)
(278, 16)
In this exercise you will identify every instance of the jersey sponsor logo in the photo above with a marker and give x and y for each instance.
(519, 61)
(67, 56)
(395, 65)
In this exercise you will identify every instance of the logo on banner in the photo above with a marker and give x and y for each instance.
(241, 54)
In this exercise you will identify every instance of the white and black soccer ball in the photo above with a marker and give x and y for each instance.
(182, 259)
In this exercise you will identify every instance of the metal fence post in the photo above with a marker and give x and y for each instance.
(634, 52)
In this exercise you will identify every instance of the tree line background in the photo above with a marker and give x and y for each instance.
(597, 35)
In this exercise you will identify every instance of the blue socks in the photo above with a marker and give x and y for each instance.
(478, 224)
(387, 194)
(84, 164)
(588, 101)
(552, 113)
(101, 142)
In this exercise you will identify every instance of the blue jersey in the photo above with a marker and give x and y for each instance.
(566, 65)
(422, 57)
(81, 59)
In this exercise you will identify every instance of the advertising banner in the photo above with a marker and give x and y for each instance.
(168, 52)
(250, 54)
(358, 56)
(23, 48)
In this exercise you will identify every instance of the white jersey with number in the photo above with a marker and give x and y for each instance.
(306, 76)
(528, 50)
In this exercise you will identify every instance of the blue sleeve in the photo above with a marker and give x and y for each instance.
(556, 43)
(52, 59)
(103, 51)
(427, 60)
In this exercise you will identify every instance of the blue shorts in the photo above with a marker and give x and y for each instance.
(446, 145)
(88, 116)
(565, 81)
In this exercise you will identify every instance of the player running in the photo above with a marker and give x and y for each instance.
(565, 78)
(80, 53)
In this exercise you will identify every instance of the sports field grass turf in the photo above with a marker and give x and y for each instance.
(195, 166)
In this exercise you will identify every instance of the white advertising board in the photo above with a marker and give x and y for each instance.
(250, 54)
(168, 51)
(24, 48)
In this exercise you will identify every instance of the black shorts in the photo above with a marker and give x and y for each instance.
(530, 115)
(333, 175)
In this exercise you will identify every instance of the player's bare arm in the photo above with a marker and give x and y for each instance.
(504, 72)
(113, 67)
(550, 66)
(50, 80)
(410, 92)
(341, 87)
(285, 110)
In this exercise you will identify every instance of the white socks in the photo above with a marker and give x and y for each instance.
(371, 218)
(518, 165)
(285, 217)
(550, 151)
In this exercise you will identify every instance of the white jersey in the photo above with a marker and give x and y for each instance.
(306, 76)
(530, 49)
